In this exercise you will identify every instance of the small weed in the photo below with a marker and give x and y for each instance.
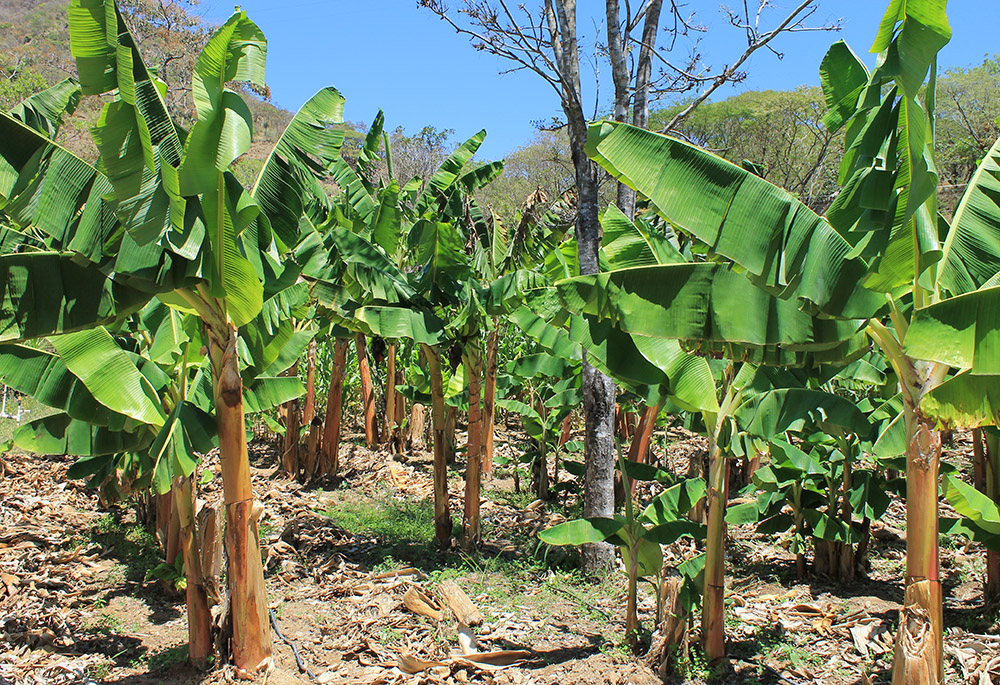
(100, 671)
(693, 666)
(105, 623)
(390, 636)
(167, 658)
(972, 571)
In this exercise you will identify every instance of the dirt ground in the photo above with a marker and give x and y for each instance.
(345, 559)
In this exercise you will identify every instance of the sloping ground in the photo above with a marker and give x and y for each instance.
(346, 560)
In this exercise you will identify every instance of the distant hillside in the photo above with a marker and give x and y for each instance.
(35, 53)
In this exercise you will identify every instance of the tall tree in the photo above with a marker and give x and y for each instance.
(544, 39)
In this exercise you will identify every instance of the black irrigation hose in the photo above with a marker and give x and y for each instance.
(295, 650)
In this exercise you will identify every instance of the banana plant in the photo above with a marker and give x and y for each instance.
(843, 267)
(815, 437)
(543, 390)
(161, 347)
(435, 301)
(639, 535)
(162, 215)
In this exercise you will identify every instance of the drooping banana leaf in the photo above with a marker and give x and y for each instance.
(44, 111)
(796, 409)
(268, 392)
(105, 368)
(187, 433)
(44, 376)
(784, 246)
(49, 293)
(60, 434)
(702, 302)
(972, 247)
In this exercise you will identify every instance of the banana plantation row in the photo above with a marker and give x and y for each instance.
(825, 353)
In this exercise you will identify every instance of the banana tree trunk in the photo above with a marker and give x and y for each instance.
(168, 526)
(309, 408)
(418, 426)
(918, 656)
(639, 450)
(442, 517)
(312, 450)
(540, 467)
(391, 427)
(251, 637)
(846, 565)
(991, 473)
(541, 473)
(713, 619)
(631, 608)
(470, 522)
(978, 460)
(489, 399)
(450, 425)
(199, 615)
(367, 391)
(399, 407)
(330, 459)
(293, 426)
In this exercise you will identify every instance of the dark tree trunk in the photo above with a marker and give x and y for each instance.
(644, 67)
(622, 80)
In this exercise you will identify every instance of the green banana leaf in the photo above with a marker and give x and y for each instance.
(796, 409)
(971, 251)
(60, 434)
(44, 111)
(187, 433)
(784, 246)
(44, 376)
(105, 368)
(703, 302)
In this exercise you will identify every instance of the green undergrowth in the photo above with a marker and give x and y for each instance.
(135, 548)
(522, 572)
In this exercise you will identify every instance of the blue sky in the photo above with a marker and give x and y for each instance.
(390, 54)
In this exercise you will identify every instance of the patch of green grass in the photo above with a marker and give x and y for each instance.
(136, 548)
(390, 636)
(167, 658)
(510, 498)
(394, 520)
(403, 527)
(772, 644)
(692, 666)
(404, 530)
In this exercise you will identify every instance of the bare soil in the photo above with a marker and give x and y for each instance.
(77, 606)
